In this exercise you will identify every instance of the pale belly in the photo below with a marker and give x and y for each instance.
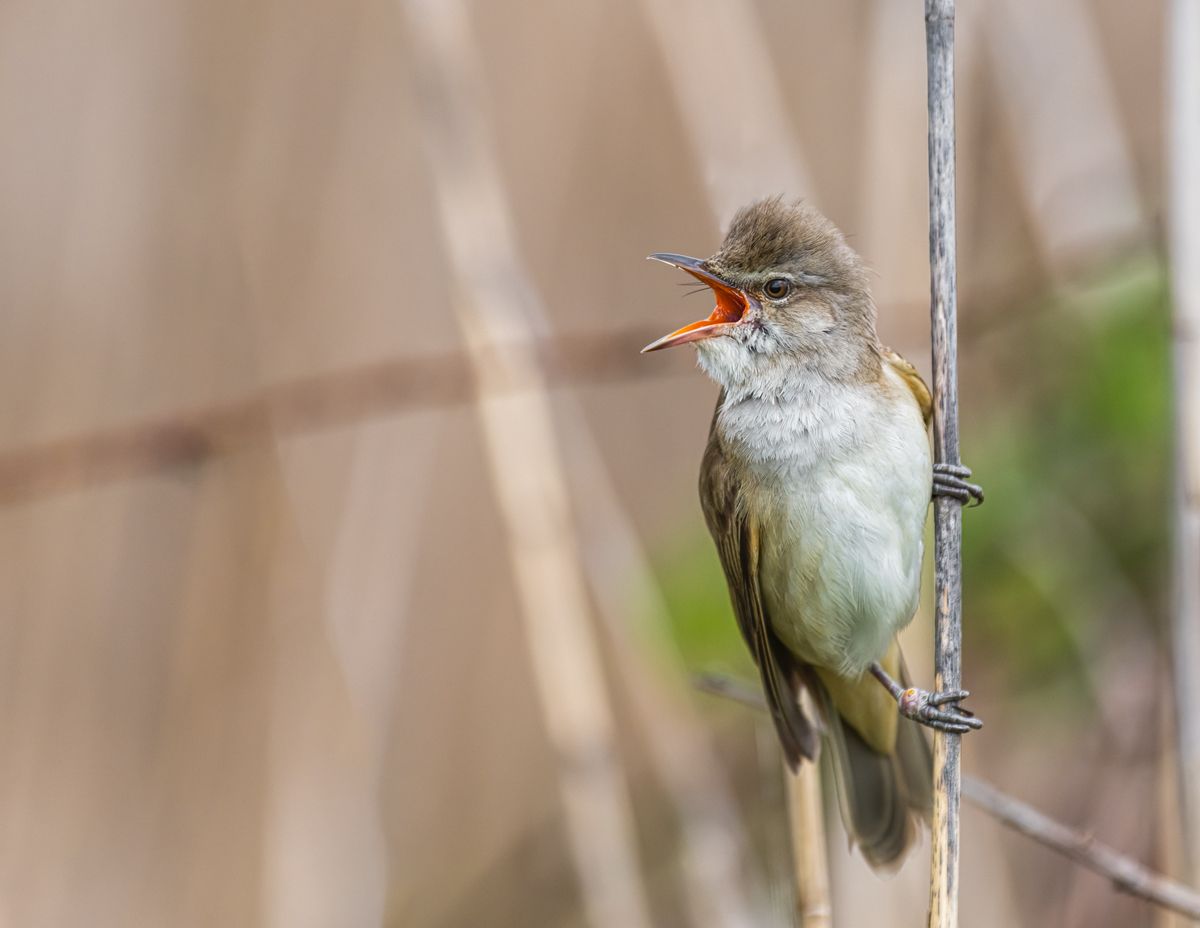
(842, 545)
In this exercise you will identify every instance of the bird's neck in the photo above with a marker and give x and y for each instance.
(806, 412)
(789, 378)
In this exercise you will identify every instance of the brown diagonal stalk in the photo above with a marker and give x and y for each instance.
(189, 437)
(1125, 873)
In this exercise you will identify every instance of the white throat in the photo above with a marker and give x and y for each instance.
(810, 421)
(781, 412)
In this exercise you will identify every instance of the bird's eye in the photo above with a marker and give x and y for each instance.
(777, 288)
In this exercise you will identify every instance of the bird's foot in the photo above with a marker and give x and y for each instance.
(938, 710)
(951, 480)
(935, 710)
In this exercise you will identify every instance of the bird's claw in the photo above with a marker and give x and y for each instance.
(925, 707)
(950, 480)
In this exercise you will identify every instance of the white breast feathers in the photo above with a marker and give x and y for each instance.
(839, 478)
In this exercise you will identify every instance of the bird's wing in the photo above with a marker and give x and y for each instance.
(736, 534)
(913, 381)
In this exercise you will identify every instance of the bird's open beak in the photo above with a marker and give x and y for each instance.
(732, 304)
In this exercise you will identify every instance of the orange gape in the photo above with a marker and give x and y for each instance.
(731, 307)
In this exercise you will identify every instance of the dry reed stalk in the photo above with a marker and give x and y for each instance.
(1169, 836)
(814, 908)
(711, 834)
(494, 307)
(1183, 89)
(1064, 127)
(736, 120)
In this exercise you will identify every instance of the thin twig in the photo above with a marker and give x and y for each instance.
(1125, 873)
(717, 684)
(939, 40)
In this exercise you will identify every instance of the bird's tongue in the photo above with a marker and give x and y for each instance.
(731, 304)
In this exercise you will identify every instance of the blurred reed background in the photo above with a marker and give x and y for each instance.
(353, 570)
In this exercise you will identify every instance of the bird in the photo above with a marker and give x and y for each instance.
(815, 484)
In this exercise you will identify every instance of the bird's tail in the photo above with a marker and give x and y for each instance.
(880, 794)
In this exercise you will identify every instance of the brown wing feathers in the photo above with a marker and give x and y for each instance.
(777, 667)
(738, 546)
(913, 381)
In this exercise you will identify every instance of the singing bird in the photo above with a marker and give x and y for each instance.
(815, 485)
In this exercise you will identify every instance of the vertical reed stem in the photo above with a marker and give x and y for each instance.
(813, 906)
(1183, 92)
(939, 41)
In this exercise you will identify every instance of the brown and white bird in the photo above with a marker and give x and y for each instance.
(815, 486)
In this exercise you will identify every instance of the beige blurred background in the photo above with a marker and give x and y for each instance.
(270, 570)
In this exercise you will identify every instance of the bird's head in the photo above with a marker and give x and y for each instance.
(790, 293)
